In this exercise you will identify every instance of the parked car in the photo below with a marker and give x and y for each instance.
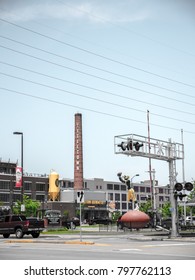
(53, 216)
(167, 223)
(100, 220)
(20, 225)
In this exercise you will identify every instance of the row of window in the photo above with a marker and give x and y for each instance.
(116, 187)
(6, 185)
(123, 197)
(137, 189)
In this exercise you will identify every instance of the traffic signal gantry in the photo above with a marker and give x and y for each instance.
(137, 145)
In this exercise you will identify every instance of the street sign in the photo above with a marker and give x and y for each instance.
(80, 197)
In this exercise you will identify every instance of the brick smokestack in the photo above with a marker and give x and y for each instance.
(78, 153)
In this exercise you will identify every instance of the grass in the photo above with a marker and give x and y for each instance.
(64, 230)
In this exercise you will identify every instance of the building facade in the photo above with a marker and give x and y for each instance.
(111, 196)
(35, 185)
(100, 197)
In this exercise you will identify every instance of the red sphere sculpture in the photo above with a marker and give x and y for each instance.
(135, 219)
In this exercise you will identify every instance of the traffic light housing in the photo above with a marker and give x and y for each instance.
(129, 145)
(188, 186)
(137, 146)
(122, 145)
(180, 195)
(178, 187)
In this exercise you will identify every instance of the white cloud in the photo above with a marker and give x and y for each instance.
(91, 11)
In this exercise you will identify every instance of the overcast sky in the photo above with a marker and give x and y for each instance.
(109, 60)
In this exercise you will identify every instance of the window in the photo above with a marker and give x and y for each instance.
(109, 186)
(16, 197)
(40, 197)
(4, 197)
(124, 197)
(148, 189)
(116, 187)
(110, 196)
(142, 189)
(4, 185)
(160, 190)
(117, 196)
(136, 188)
(27, 186)
(123, 188)
(161, 198)
(124, 206)
(40, 187)
(15, 218)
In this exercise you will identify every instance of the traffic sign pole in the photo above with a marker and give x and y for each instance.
(80, 225)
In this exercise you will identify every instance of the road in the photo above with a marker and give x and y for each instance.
(95, 247)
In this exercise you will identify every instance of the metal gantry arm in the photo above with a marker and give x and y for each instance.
(137, 145)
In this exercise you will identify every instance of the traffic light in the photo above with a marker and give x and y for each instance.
(129, 145)
(178, 187)
(188, 186)
(137, 146)
(181, 195)
(123, 146)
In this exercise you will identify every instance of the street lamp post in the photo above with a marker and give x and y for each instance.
(134, 177)
(22, 163)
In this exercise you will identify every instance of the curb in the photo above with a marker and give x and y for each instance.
(77, 242)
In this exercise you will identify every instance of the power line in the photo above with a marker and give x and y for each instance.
(97, 68)
(87, 109)
(102, 46)
(91, 98)
(98, 77)
(91, 88)
(95, 54)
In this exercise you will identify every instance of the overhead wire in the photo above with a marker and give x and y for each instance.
(92, 98)
(96, 68)
(50, 27)
(98, 77)
(96, 54)
(103, 69)
(99, 90)
(90, 110)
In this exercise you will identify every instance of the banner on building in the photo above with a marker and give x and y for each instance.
(18, 177)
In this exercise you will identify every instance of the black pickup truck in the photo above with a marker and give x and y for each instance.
(20, 225)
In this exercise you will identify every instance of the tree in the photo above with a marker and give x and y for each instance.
(166, 210)
(115, 215)
(66, 214)
(31, 206)
(146, 207)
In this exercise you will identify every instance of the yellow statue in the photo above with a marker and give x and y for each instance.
(130, 193)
